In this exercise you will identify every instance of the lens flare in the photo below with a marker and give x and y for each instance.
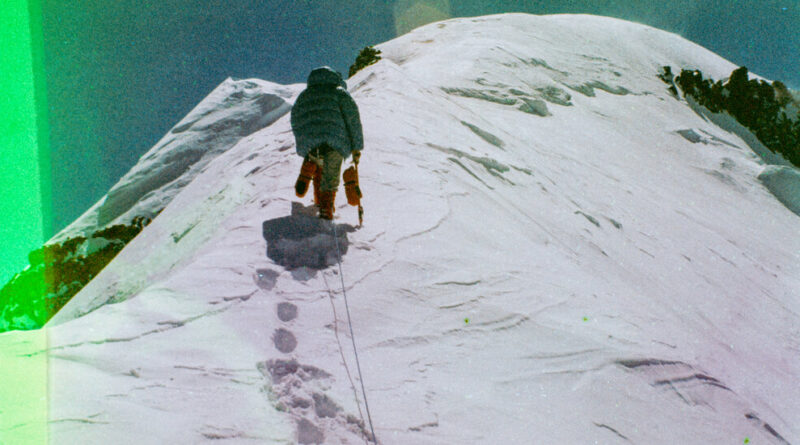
(410, 14)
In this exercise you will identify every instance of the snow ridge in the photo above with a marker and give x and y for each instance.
(555, 249)
(234, 110)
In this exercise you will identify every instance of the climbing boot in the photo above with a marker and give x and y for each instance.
(317, 182)
(326, 201)
(307, 172)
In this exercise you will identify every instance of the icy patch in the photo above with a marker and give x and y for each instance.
(587, 89)
(691, 136)
(531, 97)
(784, 183)
(556, 96)
(544, 64)
(534, 106)
(485, 135)
(531, 102)
(487, 95)
(491, 165)
(590, 218)
(706, 138)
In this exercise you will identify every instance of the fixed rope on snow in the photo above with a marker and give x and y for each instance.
(341, 352)
(352, 336)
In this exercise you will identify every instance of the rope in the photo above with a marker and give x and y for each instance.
(352, 336)
(341, 350)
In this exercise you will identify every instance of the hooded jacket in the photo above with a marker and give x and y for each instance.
(325, 113)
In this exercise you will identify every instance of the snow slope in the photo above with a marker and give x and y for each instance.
(234, 110)
(555, 250)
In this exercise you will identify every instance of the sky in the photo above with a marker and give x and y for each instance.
(120, 74)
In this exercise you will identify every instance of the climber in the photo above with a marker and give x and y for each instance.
(327, 129)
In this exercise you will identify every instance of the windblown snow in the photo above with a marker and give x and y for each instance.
(554, 250)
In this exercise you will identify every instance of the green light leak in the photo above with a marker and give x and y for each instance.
(23, 388)
(24, 209)
(24, 137)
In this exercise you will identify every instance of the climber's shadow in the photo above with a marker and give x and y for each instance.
(304, 240)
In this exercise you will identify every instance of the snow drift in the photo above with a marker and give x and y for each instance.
(555, 250)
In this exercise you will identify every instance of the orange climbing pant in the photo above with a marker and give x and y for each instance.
(307, 172)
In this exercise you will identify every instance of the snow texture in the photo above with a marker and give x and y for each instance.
(555, 250)
(784, 183)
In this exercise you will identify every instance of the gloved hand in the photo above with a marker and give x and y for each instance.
(356, 156)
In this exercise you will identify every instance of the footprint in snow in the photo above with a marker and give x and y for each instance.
(284, 340)
(287, 311)
(265, 278)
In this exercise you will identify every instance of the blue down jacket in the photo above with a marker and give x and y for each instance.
(325, 113)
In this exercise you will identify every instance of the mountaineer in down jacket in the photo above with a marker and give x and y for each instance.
(327, 129)
(324, 113)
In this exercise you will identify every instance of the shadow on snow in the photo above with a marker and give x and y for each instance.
(304, 240)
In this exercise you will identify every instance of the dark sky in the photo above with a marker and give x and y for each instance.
(121, 73)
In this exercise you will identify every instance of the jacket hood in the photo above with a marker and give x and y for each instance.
(326, 76)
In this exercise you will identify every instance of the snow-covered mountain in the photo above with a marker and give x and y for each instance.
(555, 250)
(234, 110)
